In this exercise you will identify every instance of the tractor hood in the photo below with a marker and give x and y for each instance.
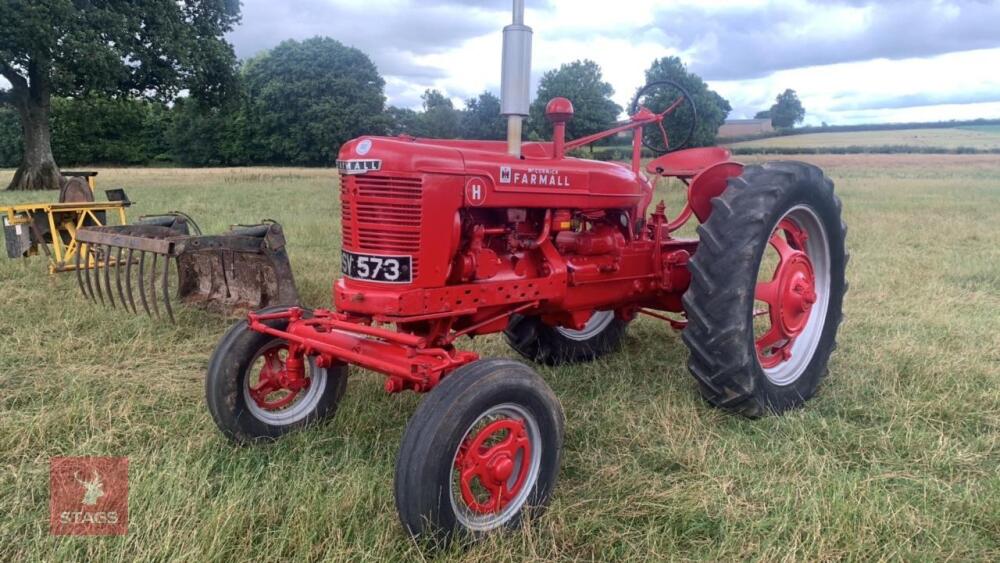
(398, 154)
(405, 154)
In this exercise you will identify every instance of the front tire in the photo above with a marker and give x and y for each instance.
(244, 395)
(481, 452)
(551, 345)
(759, 341)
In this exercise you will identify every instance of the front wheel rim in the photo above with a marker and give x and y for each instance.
(795, 298)
(281, 406)
(495, 468)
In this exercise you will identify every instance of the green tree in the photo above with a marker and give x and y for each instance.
(763, 114)
(787, 110)
(403, 121)
(199, 134)
(482, 120)
(94, 130)
(440, 119)
(304, 99)
(712, 108)
(582, 83)
(142, 48)
(10, 138)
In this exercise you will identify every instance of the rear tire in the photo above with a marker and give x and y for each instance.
(480, 453)
(737, 368)
(232, 404)
(550, 345)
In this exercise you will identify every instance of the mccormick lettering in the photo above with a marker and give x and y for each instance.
(534, 177)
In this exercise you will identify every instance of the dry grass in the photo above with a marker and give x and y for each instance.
(979, 137)
(896, 458)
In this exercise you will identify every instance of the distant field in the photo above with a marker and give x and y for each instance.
(980, 137)
(897, 457)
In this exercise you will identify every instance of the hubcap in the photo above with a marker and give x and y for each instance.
(273, 395)
(795, 297)
(495, 467)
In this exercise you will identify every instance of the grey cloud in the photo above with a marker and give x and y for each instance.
(421, 28)
(391, 37)
(751, 42)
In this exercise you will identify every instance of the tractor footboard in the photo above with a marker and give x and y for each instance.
(406, 359)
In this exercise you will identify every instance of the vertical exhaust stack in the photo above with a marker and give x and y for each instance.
(515, 78)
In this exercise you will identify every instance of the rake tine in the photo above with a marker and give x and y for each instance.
(86, 276)
(152, 286)
(128, 280)
(142, 282)
(79, 277)
(166, 289)
(97, 276)
(118, 278)
(107, 274)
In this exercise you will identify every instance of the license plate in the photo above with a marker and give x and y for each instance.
(374, 267)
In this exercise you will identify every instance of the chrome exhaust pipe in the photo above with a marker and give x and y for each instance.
(515, 77)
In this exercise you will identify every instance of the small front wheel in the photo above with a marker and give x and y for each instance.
(250, 395)
(481, 452)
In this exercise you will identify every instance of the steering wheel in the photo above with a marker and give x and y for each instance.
(669, 99)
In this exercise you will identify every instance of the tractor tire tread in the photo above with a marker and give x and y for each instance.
(716, 336)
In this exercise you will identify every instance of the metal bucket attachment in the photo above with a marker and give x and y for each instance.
(244, 269)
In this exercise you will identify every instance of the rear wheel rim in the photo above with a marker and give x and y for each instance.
(269, 401)
(496, 466)
(795, 298)
(595, 325)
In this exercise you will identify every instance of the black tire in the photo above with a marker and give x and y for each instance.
(228, 369)
(442, 422)
(720, 301)
(549, 345)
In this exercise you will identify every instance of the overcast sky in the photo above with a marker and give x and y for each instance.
(851, 61)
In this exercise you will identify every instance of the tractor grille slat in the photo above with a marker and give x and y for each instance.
(382, 214)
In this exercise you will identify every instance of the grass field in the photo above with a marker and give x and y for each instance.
(981, 137)
(898, 457)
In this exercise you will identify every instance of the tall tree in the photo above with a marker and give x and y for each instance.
(403, 121)
(787, 110)
(305, 98)
(481, 118)
(440, 119)
(583, 84)
(712, 108)
(141, 48)
(763, 114)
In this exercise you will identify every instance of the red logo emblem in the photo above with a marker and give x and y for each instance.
(88, 496)
(475, 192)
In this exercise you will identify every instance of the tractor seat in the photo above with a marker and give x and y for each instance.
(687, 163)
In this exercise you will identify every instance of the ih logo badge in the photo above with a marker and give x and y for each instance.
(475, 192)
(88, 496)
(505, 174)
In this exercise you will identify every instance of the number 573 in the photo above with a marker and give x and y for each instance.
(373, 267)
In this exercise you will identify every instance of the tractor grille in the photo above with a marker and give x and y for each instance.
(382, 215)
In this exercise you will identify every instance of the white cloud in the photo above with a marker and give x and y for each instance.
(850, 60)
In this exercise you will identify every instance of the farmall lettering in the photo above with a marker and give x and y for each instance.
(549, 177)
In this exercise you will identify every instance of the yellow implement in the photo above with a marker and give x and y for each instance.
(30, 227)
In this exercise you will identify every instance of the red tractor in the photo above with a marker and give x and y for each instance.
(445, 239)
